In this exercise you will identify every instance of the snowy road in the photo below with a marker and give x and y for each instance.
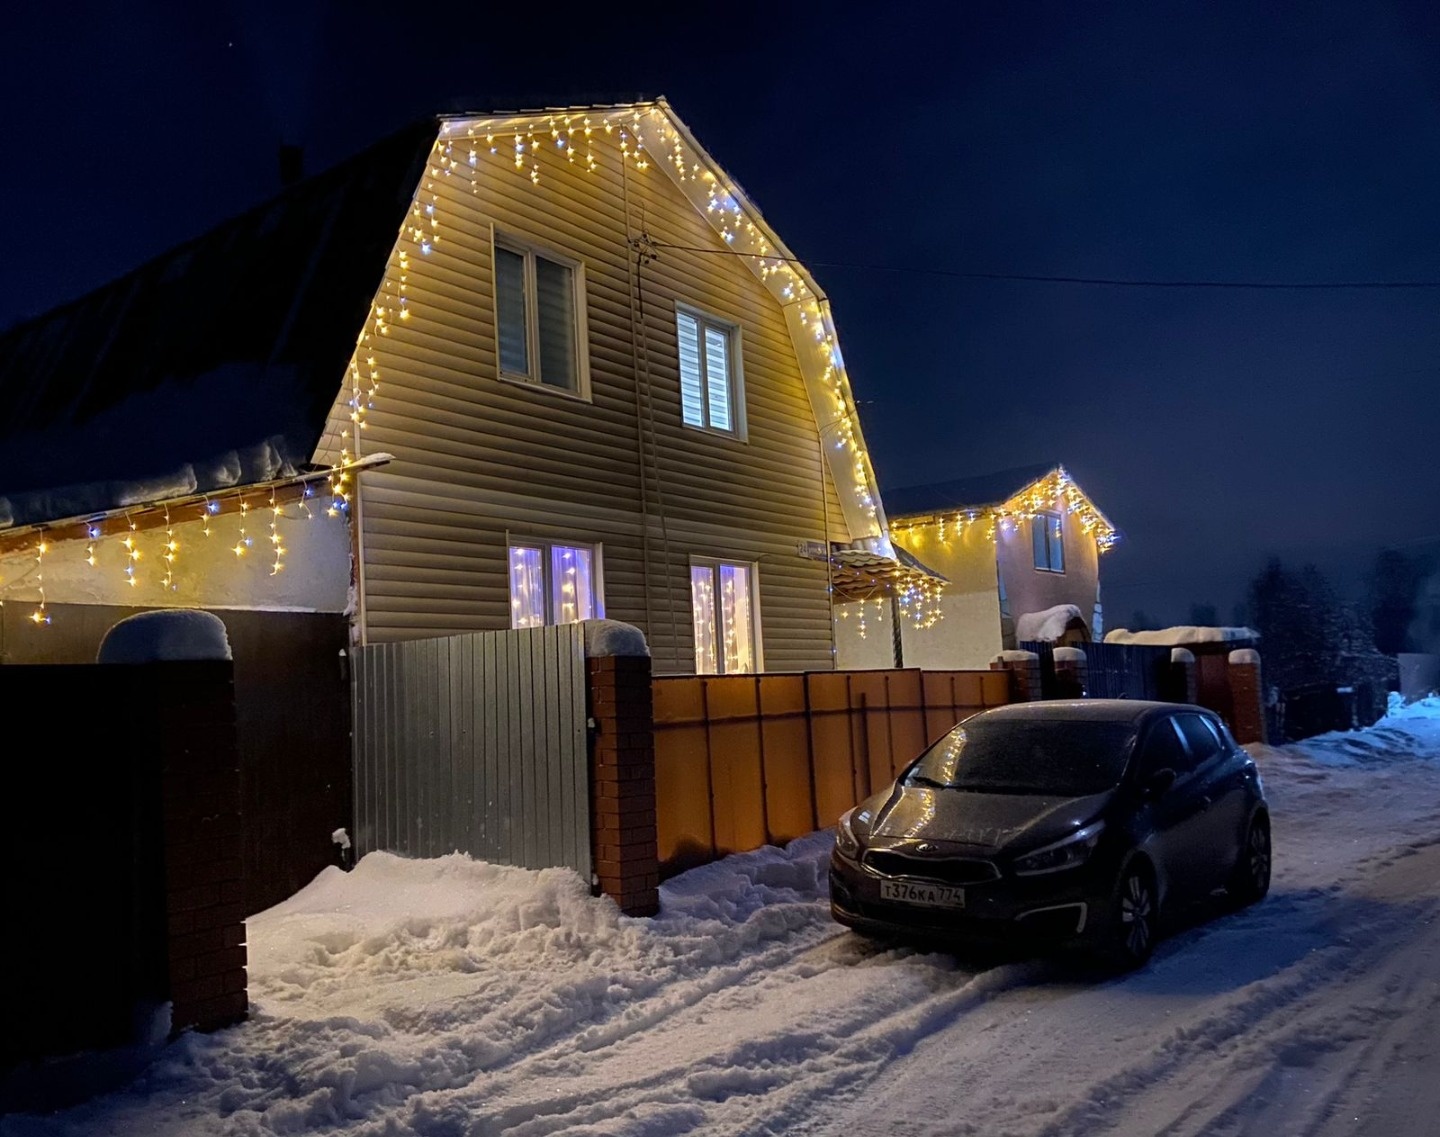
(457, 999)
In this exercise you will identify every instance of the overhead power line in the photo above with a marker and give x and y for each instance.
(1100, 281)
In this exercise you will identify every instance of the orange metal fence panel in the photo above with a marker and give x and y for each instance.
(785, 753)
(684, 827)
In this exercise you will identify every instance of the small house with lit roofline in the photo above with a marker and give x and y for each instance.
(497, 371)
(1020, 553)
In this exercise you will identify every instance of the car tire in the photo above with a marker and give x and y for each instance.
(1250, 880)
(1134, 923)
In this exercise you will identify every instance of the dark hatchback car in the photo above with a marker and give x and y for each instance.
(1065, 823)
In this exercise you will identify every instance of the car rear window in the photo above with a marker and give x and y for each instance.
(1054, 757)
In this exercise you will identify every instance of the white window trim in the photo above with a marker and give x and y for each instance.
(734, 331)
(753, 568)
(503, 239)
(597, 561)
(1044, 519)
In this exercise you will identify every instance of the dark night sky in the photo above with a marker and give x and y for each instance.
(1157, 141)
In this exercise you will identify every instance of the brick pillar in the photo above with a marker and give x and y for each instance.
(1024, 669)
(622, 782)
(194, 733)
(1071, 672)
(1247, 696)
(1184, 677)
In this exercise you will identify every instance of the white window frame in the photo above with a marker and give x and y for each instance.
(500, 239)
(1044, 519)
(597, 572)
(752, 569)
(736, 378)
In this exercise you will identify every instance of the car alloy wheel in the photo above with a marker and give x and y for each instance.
(1252, 871)
(1134, 930)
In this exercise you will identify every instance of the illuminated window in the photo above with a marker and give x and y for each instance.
(1046, 533)
(539, 318)
(724, 607)
(554, 584)
(710, 390)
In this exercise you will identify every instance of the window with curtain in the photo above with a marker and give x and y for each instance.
(553, 584)
(710, 389)
(1046, 532)
(538, 318)
(722, 602)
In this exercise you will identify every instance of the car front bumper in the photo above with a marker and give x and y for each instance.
(1055, 908)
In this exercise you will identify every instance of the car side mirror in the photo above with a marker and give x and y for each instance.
(1158, 784)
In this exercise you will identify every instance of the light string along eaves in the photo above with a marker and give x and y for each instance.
(1056, 491)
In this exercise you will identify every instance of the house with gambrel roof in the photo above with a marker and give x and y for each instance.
(496, 371)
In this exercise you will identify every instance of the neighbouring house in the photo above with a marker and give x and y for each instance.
(497, 371)
(1020, 553)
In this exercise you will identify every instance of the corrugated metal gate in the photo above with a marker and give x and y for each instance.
(474, 743)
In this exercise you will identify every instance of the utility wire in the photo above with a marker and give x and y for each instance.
(1102, 281)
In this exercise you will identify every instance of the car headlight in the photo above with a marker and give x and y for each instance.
(1067, 853)
(846, 843)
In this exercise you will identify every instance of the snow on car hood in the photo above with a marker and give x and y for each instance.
(988, 821)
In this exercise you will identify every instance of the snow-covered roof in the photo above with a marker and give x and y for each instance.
(1048, 625)
(993, 500)
(214, 364)
(1181, 636)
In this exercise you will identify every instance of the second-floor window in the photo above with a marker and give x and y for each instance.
(1047, 533)
(553, 584)
(710, 390)
(538, 317)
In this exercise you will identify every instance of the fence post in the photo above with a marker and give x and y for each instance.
(1246, 695)
(622, 782)
(1183, 685)
(1071, 673)
(1024, 669)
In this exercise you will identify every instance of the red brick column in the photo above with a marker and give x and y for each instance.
(200, 793)
(1247, 696)
(1072, 671)
(1184, 676)
(1024, 669)
(622, 782)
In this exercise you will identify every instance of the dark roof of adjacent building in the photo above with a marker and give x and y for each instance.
(974, 492)
(229, 345)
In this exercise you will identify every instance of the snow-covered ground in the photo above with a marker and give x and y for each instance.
(452, 998)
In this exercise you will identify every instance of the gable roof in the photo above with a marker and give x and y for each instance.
(975, 492)
(216, 363)
(1024, 491)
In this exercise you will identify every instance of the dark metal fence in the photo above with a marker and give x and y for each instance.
(1114, 671)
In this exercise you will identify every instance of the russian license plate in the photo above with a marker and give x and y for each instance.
(931, 895)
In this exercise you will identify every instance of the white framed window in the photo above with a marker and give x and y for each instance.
(552, 583)
(725, 606)
(711, 389)
(1047, 534)
(540, 334)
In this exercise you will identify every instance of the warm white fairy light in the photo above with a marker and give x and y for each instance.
(276, 547)
(1055, 492)
(92, 532)
(243, 541)
(40, 616)
(132, 553)
(171, 549)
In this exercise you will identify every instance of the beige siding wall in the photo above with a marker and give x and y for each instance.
(479, 459)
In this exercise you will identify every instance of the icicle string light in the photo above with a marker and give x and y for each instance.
(171, 548)
(132, 552)
(40, 616)
(1056, 492)
(277, 549)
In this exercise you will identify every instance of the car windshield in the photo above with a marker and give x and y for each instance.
(1055, 757)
